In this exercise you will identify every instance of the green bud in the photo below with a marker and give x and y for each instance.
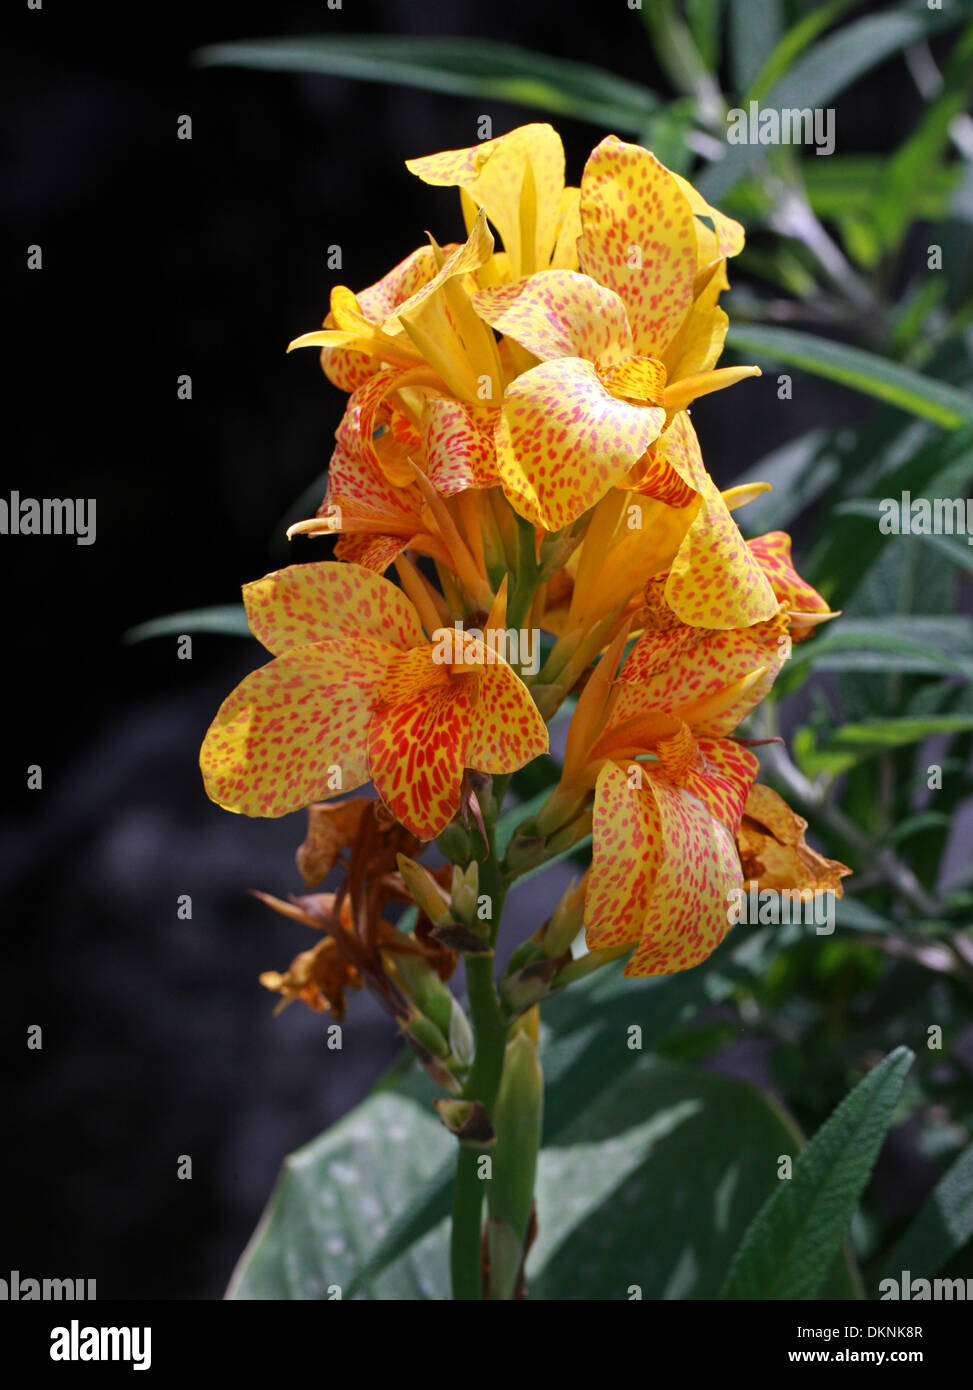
(424, 889)
(517, 1119)
(465, 890)
(454, 843)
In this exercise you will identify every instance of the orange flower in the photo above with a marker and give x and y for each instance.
(355, 695)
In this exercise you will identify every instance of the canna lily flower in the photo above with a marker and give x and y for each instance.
(582, 420)
(353, 695)
(518, 181)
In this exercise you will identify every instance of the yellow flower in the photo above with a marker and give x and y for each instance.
(621, 348)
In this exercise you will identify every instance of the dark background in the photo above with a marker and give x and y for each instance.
(164, 257)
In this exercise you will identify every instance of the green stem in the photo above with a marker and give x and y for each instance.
(490, 1033)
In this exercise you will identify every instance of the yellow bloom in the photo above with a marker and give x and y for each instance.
(355, 694)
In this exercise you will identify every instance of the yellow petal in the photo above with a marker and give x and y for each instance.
(559, 313)
(295, 731)
(564, 441)
(494, 174)
(506, 730)
(308, 603)
(729, 234)
(458, 444)
(639, 239)
(715, 580)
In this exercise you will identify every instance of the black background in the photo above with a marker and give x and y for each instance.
(162, 257)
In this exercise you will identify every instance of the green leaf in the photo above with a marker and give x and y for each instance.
(793, 44)
(825, 71)
(956, 548)
(332, 1201)
(862, 371)
(654, 1183)
(791, 1244)
(229, 619)
(843, 57)
(943, 1226)
(926, 645)
(754, 33)
(464, 67)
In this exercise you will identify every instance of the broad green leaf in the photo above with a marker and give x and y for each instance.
(923, 149)
(942, 1227)
(928, 645)
(846, 55)
(465, 67)
(227, 618)
(862, 371)
(852, 183)
(791, 1244)
(854, 743)
(653, 1184)
(333, 1201)
(704, 18)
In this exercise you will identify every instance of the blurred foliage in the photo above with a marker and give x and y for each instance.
(656, 1165)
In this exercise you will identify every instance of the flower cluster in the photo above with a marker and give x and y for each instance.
(517, 448)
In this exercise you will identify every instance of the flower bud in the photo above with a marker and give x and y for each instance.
(424, 889)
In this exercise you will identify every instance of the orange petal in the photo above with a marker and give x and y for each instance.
(639, 239)
(306, 603)
(688, 912)
(723, 778)
(280, 738)
(415, 756)
(773, 551)
(506, 729)
(458, 443)
(626, 859)
(685, 665)
(563, 441)
(559, 313)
